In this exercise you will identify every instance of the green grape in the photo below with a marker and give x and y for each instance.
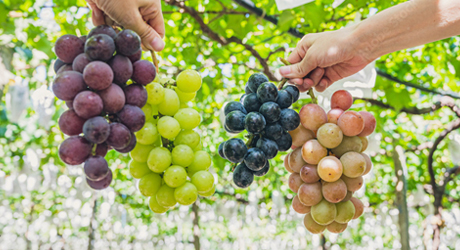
(138, 169)
(168, 127)
(183, 105)
(201, 161)
(188, 118)
(186, 194)
(191, 172)
(148, 111)
(185, 97)
(188, 81)
(170, 105)
(149, 184)
(182, 155)
(165, 196)
(158, 142)
(159, 159)
(155, 207)
(155, 93)
(141, 152)
(208, 193)
(175, 176)
(148, 134)
(203, 181)
(187, 137)
(198, 147)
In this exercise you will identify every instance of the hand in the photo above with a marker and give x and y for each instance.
(321, 59)
(142, 16)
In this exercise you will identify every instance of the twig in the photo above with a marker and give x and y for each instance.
(154, 60)
(313, 97)
(283, 82)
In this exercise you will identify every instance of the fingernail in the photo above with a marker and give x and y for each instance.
(285, 70)
(157, 44)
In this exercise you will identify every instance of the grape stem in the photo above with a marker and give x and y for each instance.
(250, 138)
(313, 97)
(93, 151)
(155, 60)
(283, 82)
(234, 166)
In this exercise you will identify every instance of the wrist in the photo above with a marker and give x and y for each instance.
(365, 43)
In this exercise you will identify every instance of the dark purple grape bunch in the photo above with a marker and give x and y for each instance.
(263, 111)
(93, 73)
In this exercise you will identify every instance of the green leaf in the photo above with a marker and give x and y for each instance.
(286, 20)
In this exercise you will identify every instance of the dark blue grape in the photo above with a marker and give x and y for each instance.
(251, 103)
(273, 131)
(235, 120)
(284, 142)
(255, 159)
(242, 176)
(267, 92)
(269, 147)
(247, 90)
(253, 143)
(231, 131)
(235, 150)
(263, 171)
(242, 98)
(254, 123)
(221, 150)
(271, 111)
(284, 99)
(294, 91)
(289, 119)
(255, 80)
(232, 106)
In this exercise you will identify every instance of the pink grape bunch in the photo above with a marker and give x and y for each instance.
(327, 164)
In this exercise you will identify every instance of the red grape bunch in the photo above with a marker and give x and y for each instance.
(101, 78)
(263, 111)
(327, 164)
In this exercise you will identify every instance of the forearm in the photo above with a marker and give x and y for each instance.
(407, 25)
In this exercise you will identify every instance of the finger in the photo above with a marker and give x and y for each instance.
(157, 23)
(298, 70)
(97, 15)
(297, 81)
(297, 54)
(316, 75)
(332, 74)
(302, 88)
(150, 38)
(322, 85)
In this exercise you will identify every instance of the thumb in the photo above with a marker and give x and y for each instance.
(97, 15)
(298, 70)
(151, 39)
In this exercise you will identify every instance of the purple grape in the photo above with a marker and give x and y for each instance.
(102, 184)
(80, 62)
(103, 29)
(122, 69)
(136, 56)
(70, 123)
(96, 168)
(130, 146)
(69, 104)
(83, 38)
(120, 136)
(68, 84)
(96, 129)
(64, 68)
(75, 150)
(98, 75)
(144, 72)
(135, 95)
(127, 42)
(113, 98)
(101, 149)
(58, 64)
(132, 116)
(100, 47)
(68, 47)
(87, 104)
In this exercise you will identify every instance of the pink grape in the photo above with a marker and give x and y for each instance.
(341, 99)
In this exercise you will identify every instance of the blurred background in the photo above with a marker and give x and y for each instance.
(412, 194)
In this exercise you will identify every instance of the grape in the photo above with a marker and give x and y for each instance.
(359, 207)
(188, 118)
(58, 64)
(208, 193)
(368, 163)
(83, 38)
(351, 123)
(68, 47)
(148, 111)
(348, 144)
(330, 169)
(269, 147)
(354, 164)
(87, 104)
(324, 212)
(247, 90)
(69, 104)
(255, 159)
(70, 123)
(333, 115)
(68, 84)
(165, 196)
(253, 142)
(273, 131)
(136, 56)
(113, 98)
(156, 93)
(235, 121)
(141, 152)
(159, 159)
(155, 207)
(312, 116)
(353, 184)
(170, 104)
(312, 226)
(284, 99)
(122, 69)
(101, 149)
(286, 163)
(251, 103)
(220, 150)
(103, 29)
(348, 196)
(254, 122)
(294, 91)
(144, 72)
(96, 168)
(289, 119)
(168, 127)
(310, 194)
(201, 161)
(119, 136)
(235, 150)
(185, 97)
(284, 142)
(255, 80)
(80, 62)
(341, 99)
(242, 99)
(345, 212)
(132, 117)
(242, 176)
(301, 135)
(296, 161)
(67, 67)
(336, 227)
(186, 194)
(188, 81)
(187, 137)
(365, 143)
(149, 184)
(138, 169)
(101, 184)
(295, 182)
(299, 207)
(98, 75)
(271, 111)
(131, 145)
(96, 129)
(232, 106)
(100, 47)
(313, 152)
(309, 173)
(175, 176)
(369, 123)
(264, 170)
(329, 135)
(182, 155)
(128, 42)
(267, 92)
(75, 150)
(148, 134)
(334, 191)
(203, 181)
